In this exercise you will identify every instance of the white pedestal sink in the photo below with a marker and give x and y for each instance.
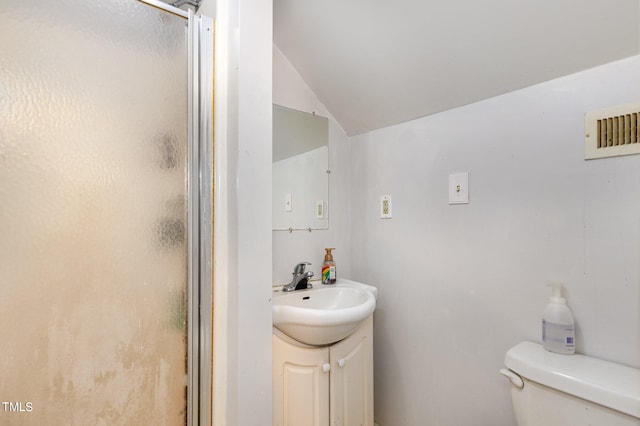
(324, 314)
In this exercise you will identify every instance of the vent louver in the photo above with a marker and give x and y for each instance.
(612, 132)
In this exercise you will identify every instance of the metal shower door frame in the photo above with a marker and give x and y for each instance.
(199, 212)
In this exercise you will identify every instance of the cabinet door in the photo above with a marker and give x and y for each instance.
(300, 385)
(351, 392)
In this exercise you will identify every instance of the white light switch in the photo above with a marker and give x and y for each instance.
(459, 188)
(385, 207)
(287, 202)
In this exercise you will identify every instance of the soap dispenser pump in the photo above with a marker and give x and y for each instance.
(558, 325)
(328, 268)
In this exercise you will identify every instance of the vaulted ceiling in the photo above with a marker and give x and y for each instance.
(376, 63)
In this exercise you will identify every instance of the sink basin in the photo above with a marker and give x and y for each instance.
(324, 314)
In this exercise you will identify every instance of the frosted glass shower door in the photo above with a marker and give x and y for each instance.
(93, 231)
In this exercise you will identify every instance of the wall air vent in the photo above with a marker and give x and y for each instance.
(612, 132)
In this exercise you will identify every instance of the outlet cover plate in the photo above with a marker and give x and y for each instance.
(385, 207)
(320, 209)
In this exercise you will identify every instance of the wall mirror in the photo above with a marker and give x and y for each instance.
(300, 170)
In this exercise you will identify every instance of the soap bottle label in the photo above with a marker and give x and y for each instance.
(328, 274)
(559, 338)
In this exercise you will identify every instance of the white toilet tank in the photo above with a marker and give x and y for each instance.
(550, 389)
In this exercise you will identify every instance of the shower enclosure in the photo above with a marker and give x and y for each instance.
(105, 213)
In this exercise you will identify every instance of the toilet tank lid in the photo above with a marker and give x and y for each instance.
(606, 383)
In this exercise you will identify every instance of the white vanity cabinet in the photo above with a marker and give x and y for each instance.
(322, 386)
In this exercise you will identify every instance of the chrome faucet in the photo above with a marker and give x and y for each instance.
(300, 279)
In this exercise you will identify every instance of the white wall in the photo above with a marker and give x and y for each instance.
(291, 91)
(460, 284)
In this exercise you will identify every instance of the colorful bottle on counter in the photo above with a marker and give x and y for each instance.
(328, 268)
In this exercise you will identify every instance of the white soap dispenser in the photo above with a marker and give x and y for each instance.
(558, 326)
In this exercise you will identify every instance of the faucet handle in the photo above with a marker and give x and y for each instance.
(299, 269)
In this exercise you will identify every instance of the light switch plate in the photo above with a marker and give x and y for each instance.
(287, 202)
(385, 207)
(459, 188)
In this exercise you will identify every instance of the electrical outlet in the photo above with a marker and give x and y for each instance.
(459, 188)
(385, 207)
(319, 209)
